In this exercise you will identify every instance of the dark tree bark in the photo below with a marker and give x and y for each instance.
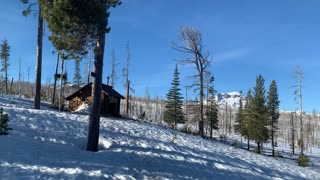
(39, 61)
(94, 121)
(127, 98)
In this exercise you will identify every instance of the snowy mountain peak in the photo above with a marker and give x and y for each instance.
(230, 98)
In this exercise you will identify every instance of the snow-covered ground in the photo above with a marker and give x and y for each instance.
(46, 144)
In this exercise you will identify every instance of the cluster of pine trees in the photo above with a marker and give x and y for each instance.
(174, 114)
(257, 119)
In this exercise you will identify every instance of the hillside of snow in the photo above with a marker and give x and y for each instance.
(46, 144)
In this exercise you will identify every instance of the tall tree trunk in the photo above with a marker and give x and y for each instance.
(300, 116)
(39, 61)
(248, 143)
(292, 133)
(6, 74)
(201, 123)
(211, 125)
(127, 98)
(272, 137)
(61, 85)
(55, 81)
(89, 71)
(20, 77)
(94, 121)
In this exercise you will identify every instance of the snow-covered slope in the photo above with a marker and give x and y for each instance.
(231, 99)
(46, 144)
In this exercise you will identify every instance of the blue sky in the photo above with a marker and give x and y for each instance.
(245, 38)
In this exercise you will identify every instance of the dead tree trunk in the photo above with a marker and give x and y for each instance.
(292, 132)
(299, 76)
(191, 43)
(61, 84)
(127, 98)
(55, 82)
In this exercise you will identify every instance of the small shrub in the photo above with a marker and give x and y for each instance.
(299, 142)
(187, 131)
(255, 150)
(303, 160)
(277, 155)
(175, 136)
(4, 123)
(235, 143)
(223, 137)
(142, 115)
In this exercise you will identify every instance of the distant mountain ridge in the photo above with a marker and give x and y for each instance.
(230, 99)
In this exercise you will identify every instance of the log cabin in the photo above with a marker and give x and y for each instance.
(110, 99)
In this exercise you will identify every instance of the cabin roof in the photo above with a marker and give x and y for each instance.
(104, 88)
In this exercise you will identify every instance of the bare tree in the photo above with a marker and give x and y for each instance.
(125, 73)
(55, 81)
(299, 96)
(39, 50)
(292, 115)
(113, 74)
(20, 77)
(61, 86)
(77, 72)
(191, 43)
(89, 69)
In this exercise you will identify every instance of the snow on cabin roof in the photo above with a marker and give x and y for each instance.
(104, 88)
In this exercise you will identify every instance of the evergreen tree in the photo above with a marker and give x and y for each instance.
(212, 108)
(77, 73)
(3, 123)
(4, 55)
(258, 122)
(239, 126)
(173, 113)
(273, 109)
(77, 26)
(246, 116)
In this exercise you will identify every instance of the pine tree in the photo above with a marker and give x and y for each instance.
(173, 113)
(3, 123)
(258, 122)
(273, 109)
(212, 108)
(77, 74)
(4, 55)
(239, 126)
(77, 26)
(246, 116)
